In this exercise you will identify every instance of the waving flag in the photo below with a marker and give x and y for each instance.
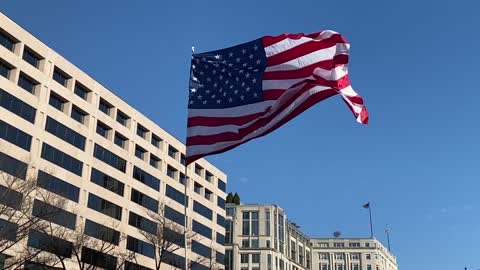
(249, 90)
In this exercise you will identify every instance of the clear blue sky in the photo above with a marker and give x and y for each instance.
(416, 63)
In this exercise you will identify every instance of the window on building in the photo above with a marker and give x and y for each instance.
(57, 186)
(109, 158)
(172, 172)
(201, 229)
(228, 231)
(65, 133)
(142, 223)
(78, 114)
(13, 166)
(324, 266)
(355, 267)
(339, 266)
(50, 243)
(369, 267)
(10, 197)
(244, 258)
(120, 140)
(267, 222)
(140, 152)
(98, 259)
(367, 244)
(220, 238)
(222, 185)
(141, 131)
(5, 69)
(156, 141)
(230, 211)
(7, 41)
(172, 152)
(182, 159)
(27, 83)
(293, 250)
(201, 249)
(221, 202)
(31, 57)
(256, 258)
(355, 256)
(81, 91)
(146, 178)
(197, 188)
(105, 207)
(354, 244)
(103, 130)
(300, 255)
(105, 107)
(134, 266)
(15, 136)
(337, 244)
(17, 106)
(208, 176)
(154, 161)
(323, 244)
(198, 169)
(250, 223)
(208, 194)
(202, 210)
(102, 232)
(182, 179)
(8, 231)
(144, 200)
(141, 247)
(57, 102)
(61, 77)
(107, 182)
(339, 256)
(368, 256)
(122, 118)
(323, 256)
(254, 243)
(62, 159)
(174, 215)
(174, 194)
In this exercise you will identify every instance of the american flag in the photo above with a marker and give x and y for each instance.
(249, 90)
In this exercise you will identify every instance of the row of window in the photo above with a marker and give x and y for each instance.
(341, 256)
(342, 244)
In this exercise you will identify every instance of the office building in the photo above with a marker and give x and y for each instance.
(113, 164)
(260, 237)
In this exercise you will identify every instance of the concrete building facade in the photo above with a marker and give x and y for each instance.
(69, 130)
(260, 237)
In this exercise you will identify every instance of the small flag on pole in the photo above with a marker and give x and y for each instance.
(249, 90)
(367, 205)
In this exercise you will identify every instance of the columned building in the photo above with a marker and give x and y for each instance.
(351, 254)
(260, 237)
(82, 142)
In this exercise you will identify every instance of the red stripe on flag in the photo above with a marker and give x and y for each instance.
(302, 72)
(303, 49)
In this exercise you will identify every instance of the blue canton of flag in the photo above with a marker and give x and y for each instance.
(227, 78)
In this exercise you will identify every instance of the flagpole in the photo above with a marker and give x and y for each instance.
(371, 224)
(368, 205)
(185, 199)
(185, 203)
(388, 238)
